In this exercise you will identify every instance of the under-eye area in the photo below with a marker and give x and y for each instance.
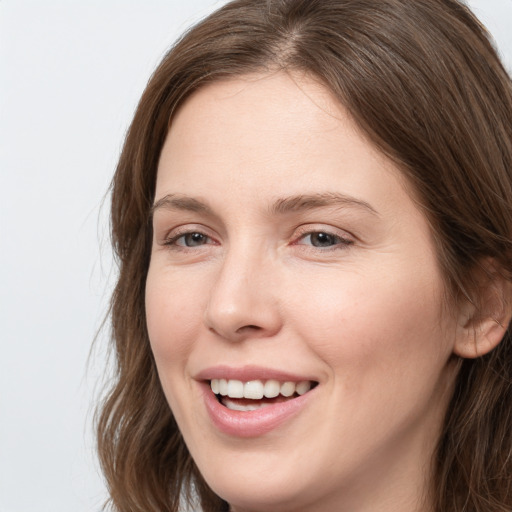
(237, 395)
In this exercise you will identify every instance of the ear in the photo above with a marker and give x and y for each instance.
(484, 321)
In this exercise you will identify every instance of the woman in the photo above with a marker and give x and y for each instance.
(312, 214)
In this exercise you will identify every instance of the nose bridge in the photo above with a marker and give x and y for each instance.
(242, 303)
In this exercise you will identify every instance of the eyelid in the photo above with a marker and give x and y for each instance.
(177, 232)
(170, 238)
(309, 229)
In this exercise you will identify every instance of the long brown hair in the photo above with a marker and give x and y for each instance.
(423, 81)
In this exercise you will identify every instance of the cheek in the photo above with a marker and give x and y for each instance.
(384, 345)
(173, 321)
(173, 315)
(363, 323)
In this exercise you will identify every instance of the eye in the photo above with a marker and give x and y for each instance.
(323, 239)
(189, 239)
(192, 239)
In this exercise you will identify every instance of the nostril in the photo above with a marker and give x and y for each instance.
(249, 327)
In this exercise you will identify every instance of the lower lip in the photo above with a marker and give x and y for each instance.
(251, 423)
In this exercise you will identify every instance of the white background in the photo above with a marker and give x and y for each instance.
(71, 73)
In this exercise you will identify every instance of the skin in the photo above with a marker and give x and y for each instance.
(363, 313)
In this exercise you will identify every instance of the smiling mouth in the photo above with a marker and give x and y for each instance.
(237, 395)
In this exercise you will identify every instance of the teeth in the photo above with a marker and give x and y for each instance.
(288, 388)
(303, 387)
(236, 389)
(223, 387)
(253, 389)
(271, 388)
(239, 407)
(257, 389)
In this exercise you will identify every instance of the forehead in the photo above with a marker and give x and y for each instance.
(284, 130)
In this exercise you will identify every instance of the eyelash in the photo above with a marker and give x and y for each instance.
(340, 242)
(172, 241)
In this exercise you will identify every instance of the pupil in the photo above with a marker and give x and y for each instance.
(193, 239)
(322, 239)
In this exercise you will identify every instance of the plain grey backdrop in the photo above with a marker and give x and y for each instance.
(71, 73)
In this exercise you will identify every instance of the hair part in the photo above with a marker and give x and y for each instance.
(424, 83)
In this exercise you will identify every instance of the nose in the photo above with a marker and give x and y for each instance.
(243, 300)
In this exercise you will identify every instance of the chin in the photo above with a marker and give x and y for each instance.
(262, 482)
(259, 494)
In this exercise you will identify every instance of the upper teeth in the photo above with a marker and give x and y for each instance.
(257, 389)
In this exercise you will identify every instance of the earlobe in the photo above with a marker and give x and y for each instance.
(483, 324)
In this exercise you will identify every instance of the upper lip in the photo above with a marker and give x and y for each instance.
(250, 372)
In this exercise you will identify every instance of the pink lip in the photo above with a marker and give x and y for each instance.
(250, 423)
(247, 373)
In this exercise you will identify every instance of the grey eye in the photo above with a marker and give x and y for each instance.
(192, 239)
(321, 239)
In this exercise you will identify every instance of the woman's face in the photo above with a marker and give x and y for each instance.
(287, 250)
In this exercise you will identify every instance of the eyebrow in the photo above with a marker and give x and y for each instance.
(185, 203)
(311, 201)
(281, 206)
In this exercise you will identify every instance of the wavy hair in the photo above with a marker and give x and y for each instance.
(423, 81)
